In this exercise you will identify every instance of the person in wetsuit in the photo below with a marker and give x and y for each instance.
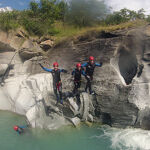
(76, 73)
(19, 129)
(89, 70)
(57, 85)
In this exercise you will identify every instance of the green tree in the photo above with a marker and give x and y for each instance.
(140, 14)
(124, 15)
(61, 10)
(34, 7)
(85, 12)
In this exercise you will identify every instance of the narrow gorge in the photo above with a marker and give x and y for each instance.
(122, 84)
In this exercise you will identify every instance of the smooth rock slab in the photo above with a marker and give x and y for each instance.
(37, 118)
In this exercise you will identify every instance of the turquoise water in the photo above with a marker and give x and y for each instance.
(69, 138)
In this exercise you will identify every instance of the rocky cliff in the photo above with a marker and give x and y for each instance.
(121, 84)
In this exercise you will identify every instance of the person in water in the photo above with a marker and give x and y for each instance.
(57, 85)
(89, 70)
(76, 73)
(19, 129)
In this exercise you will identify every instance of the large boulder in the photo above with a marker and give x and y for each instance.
(28, 53)
(38, 118)
(22, 92)
(46, 45)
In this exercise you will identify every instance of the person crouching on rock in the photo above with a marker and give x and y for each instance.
(76, 73)
(57, 85)
(19, 129)
(89, 70)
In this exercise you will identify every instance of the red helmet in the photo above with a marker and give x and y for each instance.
(15, 128)
(78, 65)
(91, 58)
(55, 64)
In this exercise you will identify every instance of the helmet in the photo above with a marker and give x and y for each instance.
(78, 65)
(91, 58)
(55, 64)
(15, 128)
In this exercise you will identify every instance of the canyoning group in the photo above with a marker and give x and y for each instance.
(86, 69)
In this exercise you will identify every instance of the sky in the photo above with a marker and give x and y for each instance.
(130, 4)
(15, 4)
(115, 4)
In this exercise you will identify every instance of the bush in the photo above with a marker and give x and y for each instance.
(85, 12)
(8, 20)
(124, 15)
(148, 18)
(33, 27)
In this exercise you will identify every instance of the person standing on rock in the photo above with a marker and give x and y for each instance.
(89, 70)
(57, 85)
(76, 73)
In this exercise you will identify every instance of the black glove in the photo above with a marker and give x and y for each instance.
(65, 71)
(101, 63)
(40, 65)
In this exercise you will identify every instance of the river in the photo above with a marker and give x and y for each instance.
(69, 138)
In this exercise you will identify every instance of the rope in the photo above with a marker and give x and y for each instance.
(5, 73)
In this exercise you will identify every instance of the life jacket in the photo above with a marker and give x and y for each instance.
(90, 69)
(58, 85)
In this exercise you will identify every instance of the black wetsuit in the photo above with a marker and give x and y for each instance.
(77, 79)
(57, 85)
(89, 70)
(20, 129)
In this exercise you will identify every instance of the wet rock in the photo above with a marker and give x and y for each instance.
(106, 119)
(75, 121)
(90, 118)
(37, 118)
(143, 120)
(73, 105)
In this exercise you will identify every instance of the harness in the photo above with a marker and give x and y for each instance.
(58, 85)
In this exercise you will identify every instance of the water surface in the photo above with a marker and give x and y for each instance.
(69, 138)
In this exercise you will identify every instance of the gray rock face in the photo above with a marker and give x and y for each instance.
(121, 87)
(144, 119)
(120, 94)
(32, 95)
(38, 118)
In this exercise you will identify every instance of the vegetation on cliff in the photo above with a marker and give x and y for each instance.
(63, 19)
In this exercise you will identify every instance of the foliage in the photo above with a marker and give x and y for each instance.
(148, 18)
(38, 19)
(85, 12)
(8, 20)
(124, 15)
(42, 17)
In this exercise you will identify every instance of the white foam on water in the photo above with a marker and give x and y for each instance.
(127, 139)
